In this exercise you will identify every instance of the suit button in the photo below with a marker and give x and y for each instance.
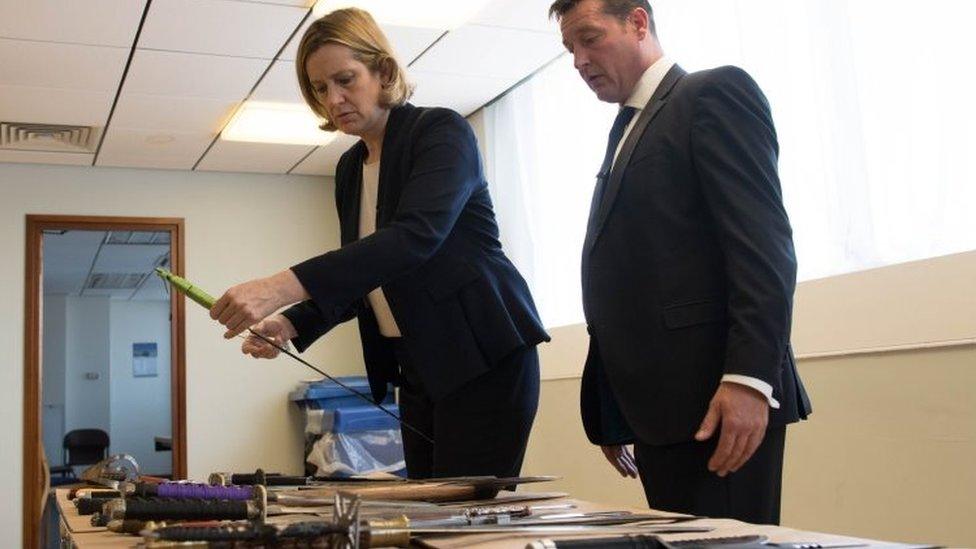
(337, 311)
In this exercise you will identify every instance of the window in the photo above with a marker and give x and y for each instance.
(874, 106)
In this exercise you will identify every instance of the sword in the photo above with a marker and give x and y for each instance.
(430, 490)
(206, 301)
(261, 504)
(195, 490)
(375, 533)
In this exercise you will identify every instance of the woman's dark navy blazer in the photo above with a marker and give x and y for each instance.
(460, 304)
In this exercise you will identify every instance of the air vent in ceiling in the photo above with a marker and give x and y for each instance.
(47, 137)
(114, 281)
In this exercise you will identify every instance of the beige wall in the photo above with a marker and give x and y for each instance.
(916, 304)
(889, 450)
(887, 454)
(238, 226)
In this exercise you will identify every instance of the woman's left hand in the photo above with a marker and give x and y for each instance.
(247, 304)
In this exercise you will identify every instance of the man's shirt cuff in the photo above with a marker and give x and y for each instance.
(757, 384)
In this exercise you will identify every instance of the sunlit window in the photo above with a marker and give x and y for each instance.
(874, 106)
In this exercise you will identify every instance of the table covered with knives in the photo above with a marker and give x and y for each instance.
(444, 513)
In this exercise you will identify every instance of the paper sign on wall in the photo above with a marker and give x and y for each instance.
(144, 359)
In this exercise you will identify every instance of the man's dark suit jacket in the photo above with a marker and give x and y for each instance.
(460, 304)
(688, 264)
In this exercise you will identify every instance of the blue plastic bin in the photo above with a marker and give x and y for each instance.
(326, 395)
(346, 436)
(356, 419)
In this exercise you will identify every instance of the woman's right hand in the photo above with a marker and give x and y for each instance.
(277, 328)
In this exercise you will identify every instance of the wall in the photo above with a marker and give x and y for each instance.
(889, 449)
(920, 303)
(52, 392)
(890, 362)
(87, 354)
(238, 227)
(141, 405)
(890, 460)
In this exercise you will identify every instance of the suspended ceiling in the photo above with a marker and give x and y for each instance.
(118, 264)
(159, 79)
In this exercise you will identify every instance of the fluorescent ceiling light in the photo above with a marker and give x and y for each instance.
(286, 123)
(428, 14)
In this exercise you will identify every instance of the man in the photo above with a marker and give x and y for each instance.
(688, 274)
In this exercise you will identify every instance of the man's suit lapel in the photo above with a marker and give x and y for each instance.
(599, 212)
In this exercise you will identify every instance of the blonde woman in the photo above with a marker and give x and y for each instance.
(442, 311)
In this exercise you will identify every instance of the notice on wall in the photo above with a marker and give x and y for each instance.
(144, 359)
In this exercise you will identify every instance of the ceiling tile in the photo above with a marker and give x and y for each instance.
(291, 49)
(32, 157)
(154, 289)
(128, 258)
(54, 106)
(238, 156)
(280, 84)
(219, 27)
(407, 42)
(519, 14)
(134, 148)
(465, 94)
(192, 75)
(172, 114)
(68, 66)
(490, 52)
(67, 259)
(96, 22)
(295, 3)
(323, 161)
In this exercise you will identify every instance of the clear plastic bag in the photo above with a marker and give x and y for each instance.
(357, 453)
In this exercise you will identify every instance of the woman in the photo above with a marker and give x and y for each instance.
(442, 311)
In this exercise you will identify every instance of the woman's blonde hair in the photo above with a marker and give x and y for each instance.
(357, 30)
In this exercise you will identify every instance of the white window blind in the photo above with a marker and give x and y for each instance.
(874, 102)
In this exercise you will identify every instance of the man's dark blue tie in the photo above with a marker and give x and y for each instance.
(624, 116)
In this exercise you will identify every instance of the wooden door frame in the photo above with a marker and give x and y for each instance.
(34, 473)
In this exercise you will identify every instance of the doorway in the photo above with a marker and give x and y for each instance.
(104, 348)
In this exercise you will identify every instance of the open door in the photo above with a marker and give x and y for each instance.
(116, 344)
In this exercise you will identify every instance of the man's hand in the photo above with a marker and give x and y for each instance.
(621, 459)
(277, 328)
(743, 413)
(246, 304)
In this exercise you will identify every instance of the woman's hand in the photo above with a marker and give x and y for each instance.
(246, 304)
(277, 328)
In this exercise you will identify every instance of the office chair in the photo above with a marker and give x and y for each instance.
(81, 447)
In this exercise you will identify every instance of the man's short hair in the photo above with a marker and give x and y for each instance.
(618, 8)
